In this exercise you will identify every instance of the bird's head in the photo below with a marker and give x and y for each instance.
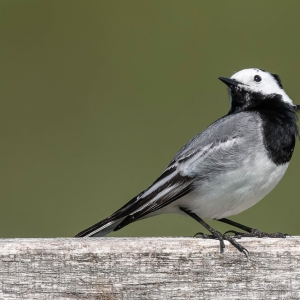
(250, 86)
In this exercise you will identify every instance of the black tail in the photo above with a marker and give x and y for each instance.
(102, 228)
(109, 224)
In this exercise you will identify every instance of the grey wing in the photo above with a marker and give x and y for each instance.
(219, 148)
(223, 145)
(242, 125)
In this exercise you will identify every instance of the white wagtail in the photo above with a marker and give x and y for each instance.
(226, 168)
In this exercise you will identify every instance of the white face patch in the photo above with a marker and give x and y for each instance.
(256, 80)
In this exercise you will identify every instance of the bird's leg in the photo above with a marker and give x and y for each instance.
(215, 234)
(250, 232)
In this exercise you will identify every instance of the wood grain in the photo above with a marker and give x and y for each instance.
(148, 268)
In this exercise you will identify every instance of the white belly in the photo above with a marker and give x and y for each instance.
(233, 192)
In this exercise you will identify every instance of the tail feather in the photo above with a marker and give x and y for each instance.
(101, 229)
(108, 225)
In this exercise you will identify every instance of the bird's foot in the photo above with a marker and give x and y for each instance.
(256, 233)
(221, 237)
(216, 235)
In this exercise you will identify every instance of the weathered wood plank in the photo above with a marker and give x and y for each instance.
(148, 268)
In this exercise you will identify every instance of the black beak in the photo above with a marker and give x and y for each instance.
(297, 107)
(230, 82)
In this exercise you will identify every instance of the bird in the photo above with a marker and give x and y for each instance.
(225, 169)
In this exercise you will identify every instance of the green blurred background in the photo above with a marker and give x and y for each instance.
(98, 96)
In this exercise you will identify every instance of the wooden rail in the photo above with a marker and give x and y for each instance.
(148, 268)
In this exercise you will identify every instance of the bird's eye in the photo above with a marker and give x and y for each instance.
(257, 78)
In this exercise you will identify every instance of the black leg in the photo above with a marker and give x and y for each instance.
(252, 232)
(235, 224)
(215, 234)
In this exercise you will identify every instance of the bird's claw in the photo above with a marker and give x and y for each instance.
(238, 246)
(221, 237)
(236, 234)
(203, 235)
